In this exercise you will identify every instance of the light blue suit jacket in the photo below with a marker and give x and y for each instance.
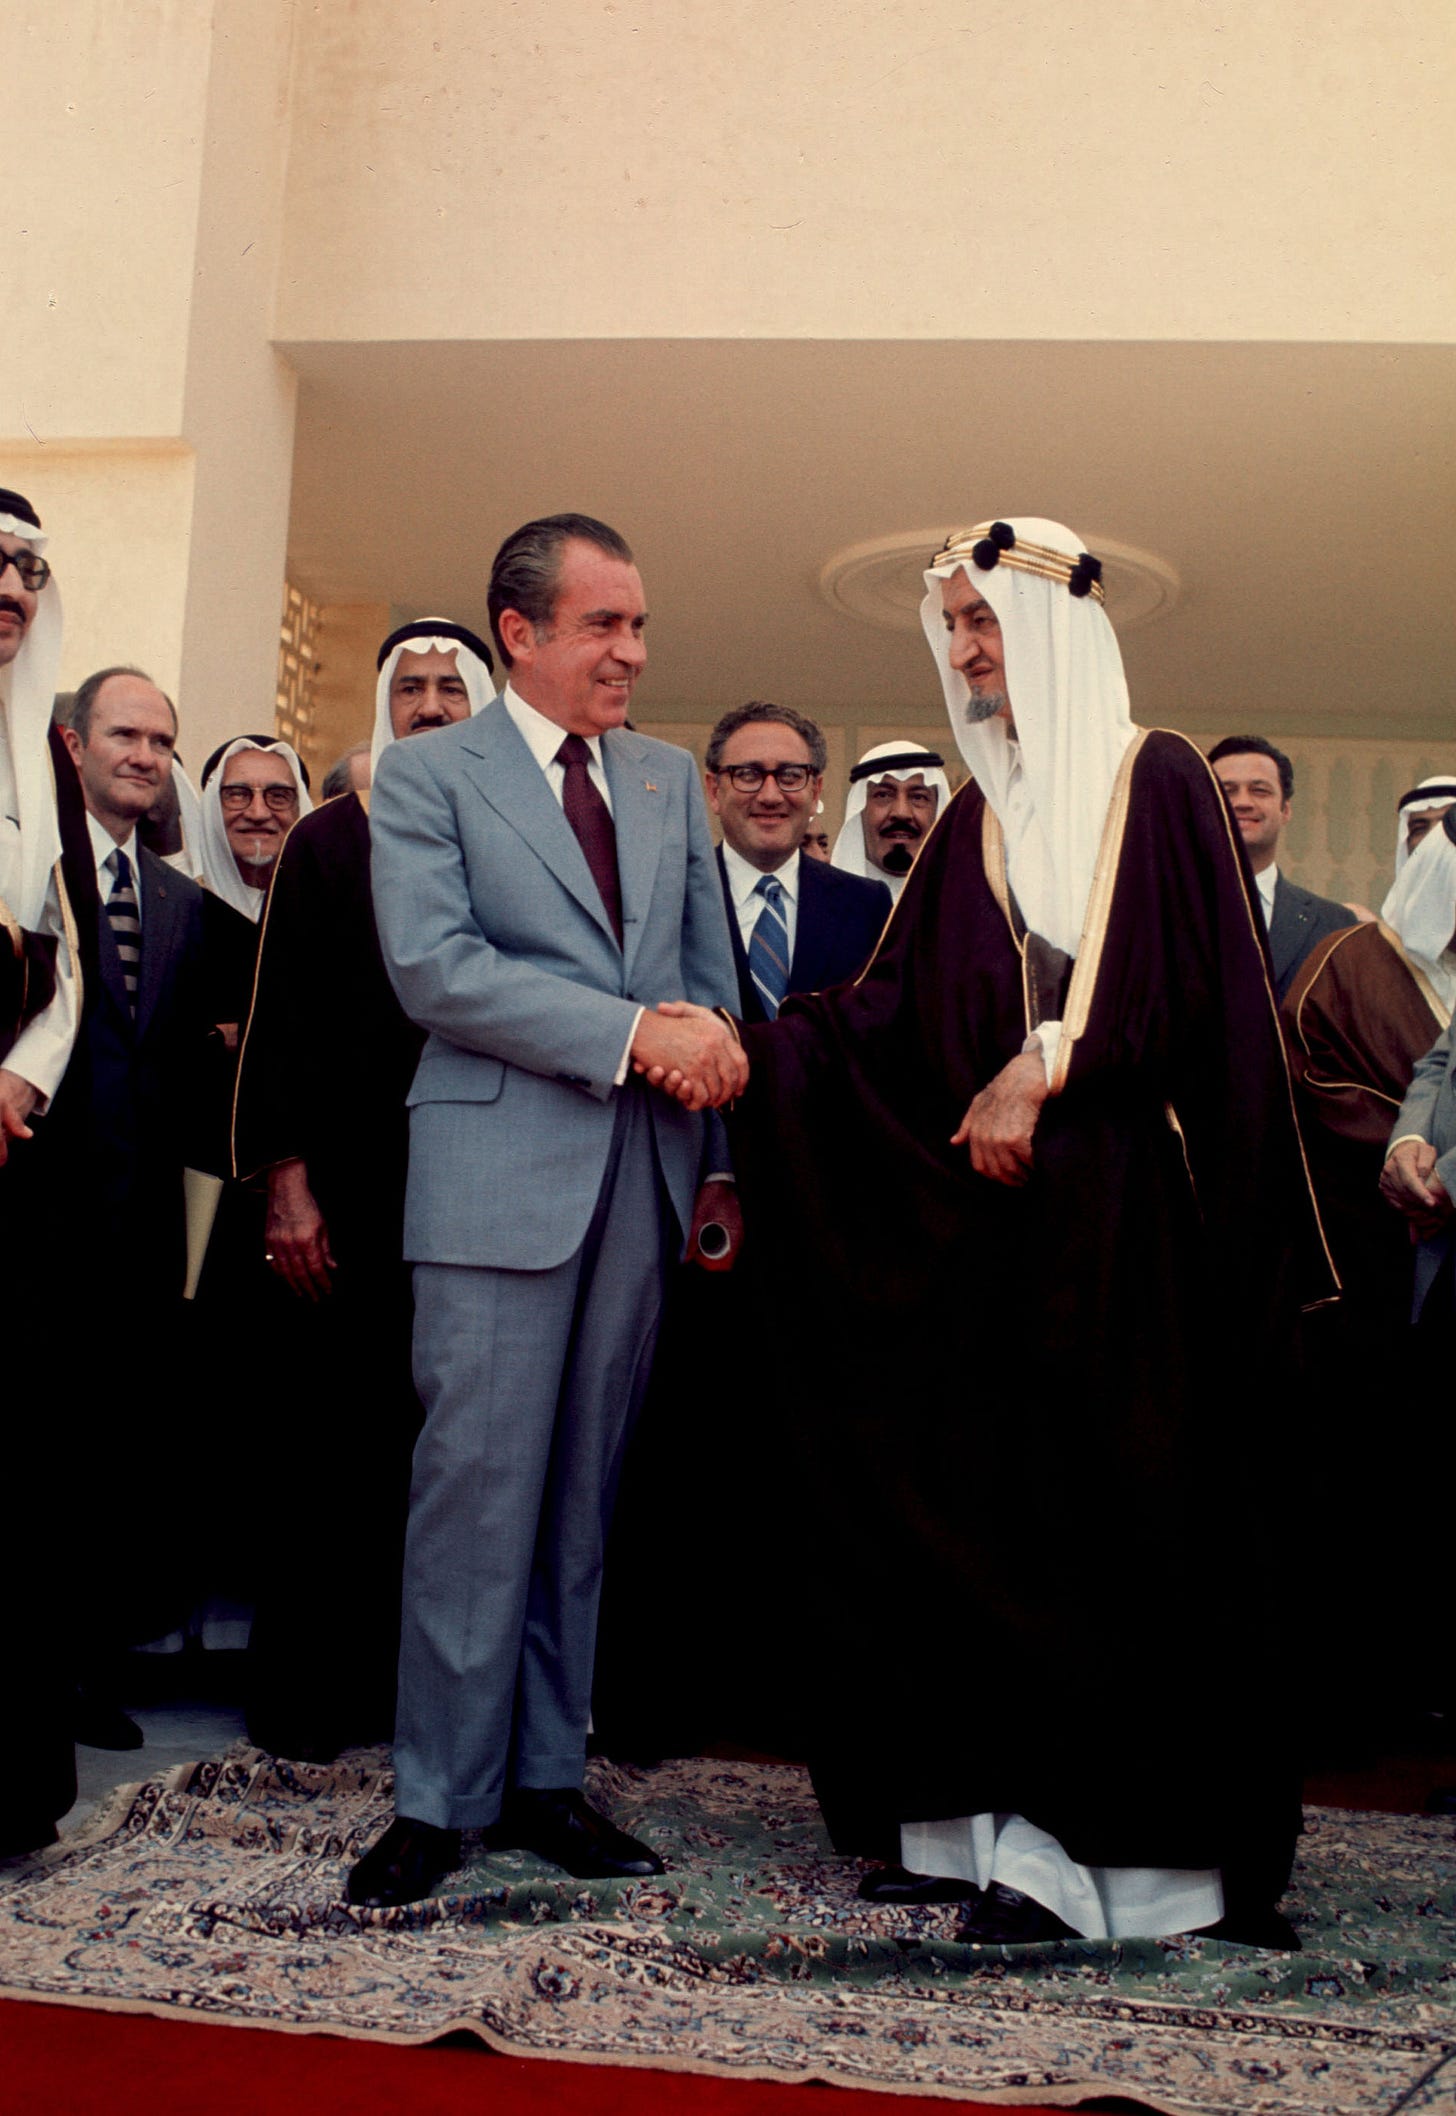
(497, 943)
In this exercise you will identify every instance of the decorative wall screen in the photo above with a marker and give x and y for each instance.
(294, 711)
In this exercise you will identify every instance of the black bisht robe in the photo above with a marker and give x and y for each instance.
(328, 1057)
(1050, 1439)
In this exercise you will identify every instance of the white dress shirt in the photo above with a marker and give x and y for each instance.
(1267, 882)
(103, 844)
(743, 881)
(543, 738)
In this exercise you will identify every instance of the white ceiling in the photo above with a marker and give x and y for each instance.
(1299, 497)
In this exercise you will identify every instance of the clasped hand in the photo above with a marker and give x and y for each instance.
(690, 1053)
(1001, 1120)
(1409, 1182)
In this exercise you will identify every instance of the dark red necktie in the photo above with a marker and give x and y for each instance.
(591, 819)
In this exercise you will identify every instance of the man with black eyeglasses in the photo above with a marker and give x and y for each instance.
(796, 924)
(673, 1677)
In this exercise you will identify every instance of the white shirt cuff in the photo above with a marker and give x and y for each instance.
(1047, 1034)
(622, 1069)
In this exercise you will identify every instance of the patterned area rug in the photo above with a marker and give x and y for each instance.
(217, 1892)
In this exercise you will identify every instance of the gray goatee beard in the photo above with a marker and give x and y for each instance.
(984, 705)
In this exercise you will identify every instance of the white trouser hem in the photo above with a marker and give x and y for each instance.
(1099, 1902)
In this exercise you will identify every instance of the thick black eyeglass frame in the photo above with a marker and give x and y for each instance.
(747, 778)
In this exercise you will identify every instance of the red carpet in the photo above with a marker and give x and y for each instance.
(72, 2061)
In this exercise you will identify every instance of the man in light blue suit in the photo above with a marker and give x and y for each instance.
(543, 880)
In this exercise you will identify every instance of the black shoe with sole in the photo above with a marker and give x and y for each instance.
(561, 1825)
(1004, 1917)
(404, 1866)
(896, 1884)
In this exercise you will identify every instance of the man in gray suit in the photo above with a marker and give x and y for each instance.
(1419, 1179)
(543, 879)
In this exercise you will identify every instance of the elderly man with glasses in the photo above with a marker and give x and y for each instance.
(796, 924)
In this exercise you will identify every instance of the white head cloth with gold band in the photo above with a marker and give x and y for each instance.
(30, 836)
(1049, 788)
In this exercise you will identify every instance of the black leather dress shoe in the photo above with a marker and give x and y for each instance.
(1004, 1917)
(404, 1865)
(562, 1826)
(896, 1884)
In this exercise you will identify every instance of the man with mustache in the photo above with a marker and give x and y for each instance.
(35, 1039)
(328, 1056)
(47, 909)
(1047, 1140)
(896, 791)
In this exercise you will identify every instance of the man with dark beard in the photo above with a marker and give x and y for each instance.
(896, 791)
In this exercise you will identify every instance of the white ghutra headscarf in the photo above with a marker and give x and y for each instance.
(887, 760)
(30, 835)
(1049, 787)
(1438, 792)
(473, 664)
(1421, 908)
(219, 868)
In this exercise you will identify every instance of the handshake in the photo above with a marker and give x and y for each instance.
(691, 1053)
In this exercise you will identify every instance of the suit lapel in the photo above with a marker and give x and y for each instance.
(159, 925)
(803, 969)
(505, 773)
(748, 999)
(1285, 924)
(639, 803)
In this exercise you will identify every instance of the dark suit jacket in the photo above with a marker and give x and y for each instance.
(1300, 919)
(127, 1114)
(841, 916)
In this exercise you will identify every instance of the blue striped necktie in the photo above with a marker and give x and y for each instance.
(768, 947)
(126, 925)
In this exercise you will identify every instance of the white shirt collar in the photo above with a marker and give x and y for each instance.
(1268, 882)
(543, 737)
(103, 844)
(744, 878)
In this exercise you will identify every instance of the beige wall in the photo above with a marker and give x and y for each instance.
(863, 168)
(143, 408)
(223, 176)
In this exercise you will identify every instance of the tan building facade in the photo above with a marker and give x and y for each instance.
(311, 305)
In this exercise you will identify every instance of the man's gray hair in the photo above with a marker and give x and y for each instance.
(83, 704)
(763, 709)
(339, 778)
(527, 571)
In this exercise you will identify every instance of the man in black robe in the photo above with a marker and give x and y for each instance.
(1049, 1578)
(328, 1057)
